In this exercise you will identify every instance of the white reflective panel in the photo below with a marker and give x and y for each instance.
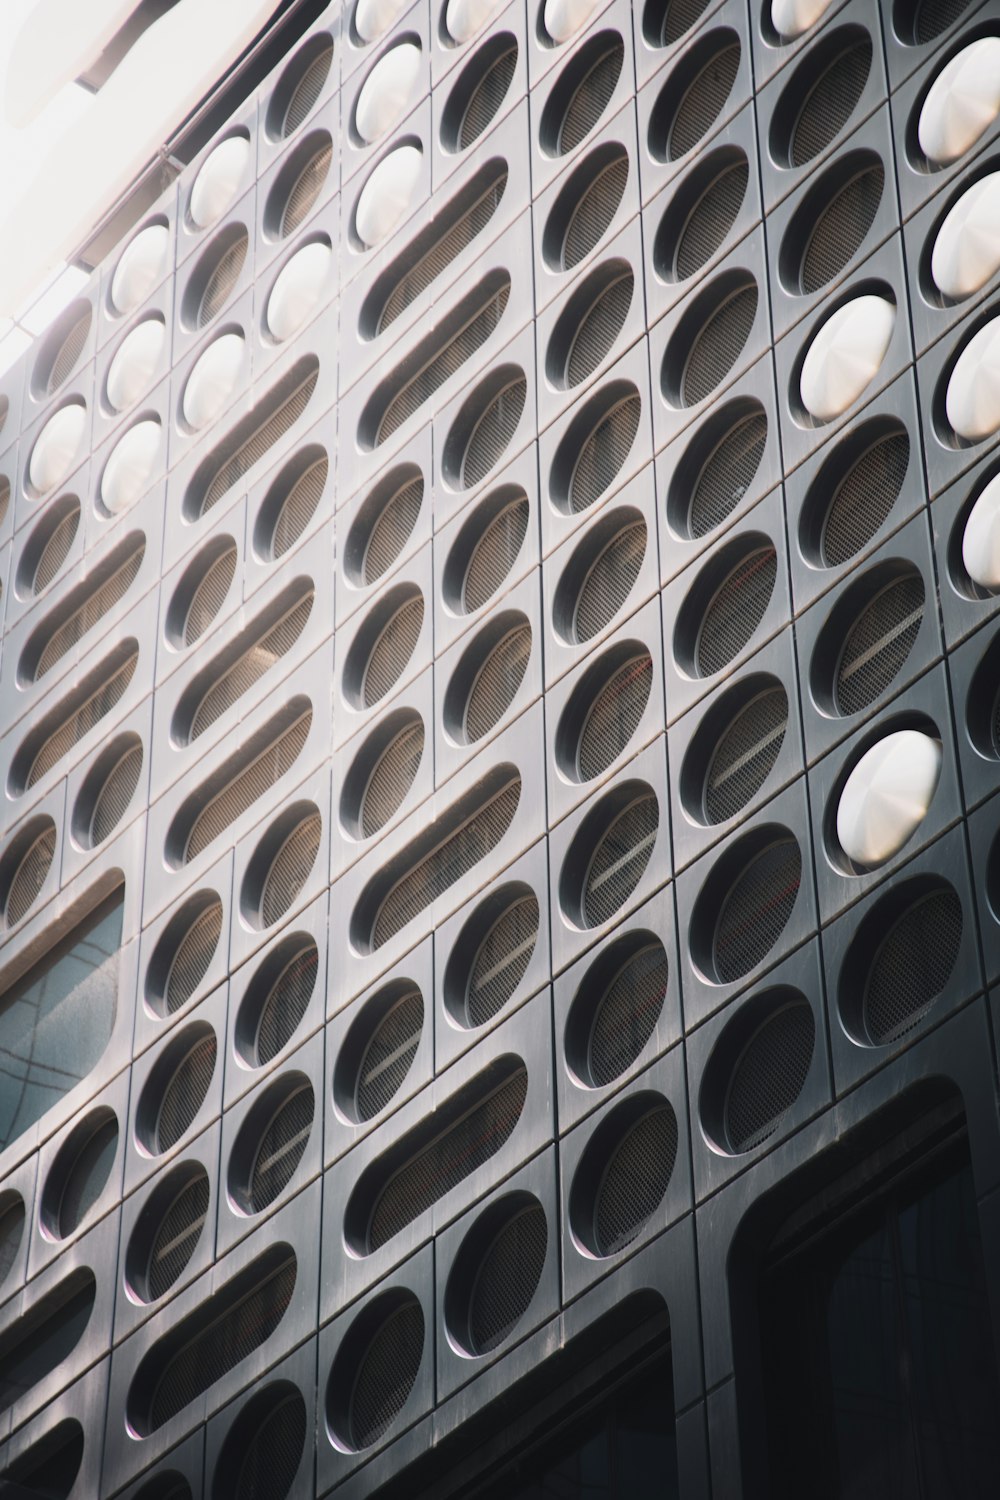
(967, 249)
(387, 92)
(134, 366)
(962, 103)
(973, 399)
(387, 194)
(217, 185)
(887, 795)
(463, 18)
(212, 381)
(131, 466)
(845, 356)
(981, 538)
(142, 266)
(790, 18)
(298, 290)
(563, 18)
(373, 18)
(58, 41)
(57, 447)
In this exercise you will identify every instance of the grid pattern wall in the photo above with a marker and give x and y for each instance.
(499, 715)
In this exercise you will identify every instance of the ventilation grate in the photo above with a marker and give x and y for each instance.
(392, 651)
(391, 778)
(703, 101)
(4, 497)
(879, 643)
(609, 581)
(677, 18)
(591, 97)
(718, 344)
(305, 190)
(493, 430)
(69, 352)
(727, 474)
(176, 1238)
(619, 859)
(599, 327)
(769, 1076)
(388, 1056)
(501, 961)
(11, 1233)
(306, 92)
(496, 683)
(250, 666)
(626, 1015)
(96, 603)
(290, 869)
(286, 1004)
(209, 596)
(736, 611)
(113, 799)
(87, 1178)
(29, 877)
(80, 720)
(270, 1452)
(635, 1180)
(243, 790)
(711, 219)
(495, 553)
(507, 1278)
(603, 453)
(912, 965)
(386, 1374)
(222, 279)
(593, 211)
(744, 755)
(935, 16)
(392, 529)
(184, 1094)
(280, 413)
(755, 910)
(281, 1148)
(841, 227)
(487, 97)
(299, 507)
(614, 716)
(830, 101)
(192, 957)
(55, 551)
(863, 498)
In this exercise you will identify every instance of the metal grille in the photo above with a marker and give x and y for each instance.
(627, 1015)
(935, 16)
(269, 1461)
(210, 595)
(281, 1148)
(4, 497)
(388, 1056)
(88, 1177)
(80, 720)
(829, 102)
(495, 553)
(599, 327)
(115, 795)
(92, 609)
(286, 1004)
(299, 507)
(593, 211)
(614, 716)
(736, 611)
(703, 101)
(184, 1093)
(501, 961)
(276, 420)
(249, 667)
(591, 97)
(216, 1349)
(619, 861)
(727, 474)
(392, 650)
(841, 227)
(456, 234)
(249, 783)
(222, 279)
(458, 1152)
(678, 18)
(635, 1180)
(55, 551)
(69, 352)
(492, 432)
(603, 453)
(718, 344)
(507, 1279)
(769, 1076)
(487, 97)
(391, 778)
(878, 643)
(176, 1238)
(446, 362)
(192, 957)
(290, 869)
(29, 877)
(710, 220)
(305, 190)
(609, 581)
(497, 682)
(755, 910)
(864, 497)
(386, 1375)
(912, 965)
(306, 91)
(745, 754)
(452, 859)
(11, 1230)
(392, 529)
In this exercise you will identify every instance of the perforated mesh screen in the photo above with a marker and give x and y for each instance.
(387, 1374)
(703, 101)
(829, 101)
(676, 18)
(609, 580)
(290, 869)
(727, 474)
(192, 956)
(507, 1278)
(627, 1014)
(391, 778)
(246, 785)
(69, 352)
(392, 650)
(112, 801)
(495, 553)
(306, 91)
(711, 219)
(176, 1237)
(912, 965)
(29, 877)
(487, 97)
(841, 227)
(593, 211)
(11, 1231)
(755, 910)
(305, 190)
(81, 719)
(603, 453)
(736, 610)
(590, 98)
(456, 232)
(299, 507)
(257, 657)
(619, 859)
(718, 344)
(281, 1148)
(635, 1180)
(501, 961)
(864, 497)
(496, 683)
(286, 1004)
(492, 432)
(599, 327)
(392, 528)
(276, 416)
(209, 596)
(184, 1093)
(270, 1461)
(89, 612)
(744, 755)
(88, 1177)
(222, 279)
(934, 16)
(55, 551)
(613, 716)
(878, 643)
(768, 1076)
(388, 1055)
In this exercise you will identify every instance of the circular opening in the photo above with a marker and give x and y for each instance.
(56, 448)
(375, 1369)
(854, 492)
(604, 711)
(588, 326)
(623, 1175)
(167, 1232)
(382, 773)
(820, 96)
(107, 791)
(496, 1273)
(215, 276)
(290, 503)
(725, 606)
(176, 1088)
(484, 427)
(757, 1070)
(664, 22)
(140, 267)
(867, 638)
(479, 92)
(61, 350)
(221, 176)
(709, 339)
(582, 93)
(270, 1143)
(183, 954)
(608, 855)
(490, 956)
(383, 646)
(599, 576)
(280, 866)
(831, 223)
(916, 24)
(616, 1010)
(685, 112)
(24, 868)
(700, 213)
(378, 1051)
(299, 87)
(486, 680)
(276, 1000)
(263, 1449)
(485, 550)
(971, 542)
(11, 1231)
(298, 185)
(584, 209)
(384, 525)
(717, 468)
(48, 547)
(745, 904)
(202, 591)
(734, 750)
(595, 447)
(80, 1173)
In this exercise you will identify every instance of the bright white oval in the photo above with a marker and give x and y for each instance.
(387, 92)
(213, 379)
(791, 18)
(845, 355)
(973, 397)
(142, 266)
(217, 185)
(135, 364)
(967, 248)
(463, 18)
(962, 102)
(131, 466)
(887, 796)
(298, 290)
(564, 18)
(981, 538)
(57, 447)
(387, 194)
